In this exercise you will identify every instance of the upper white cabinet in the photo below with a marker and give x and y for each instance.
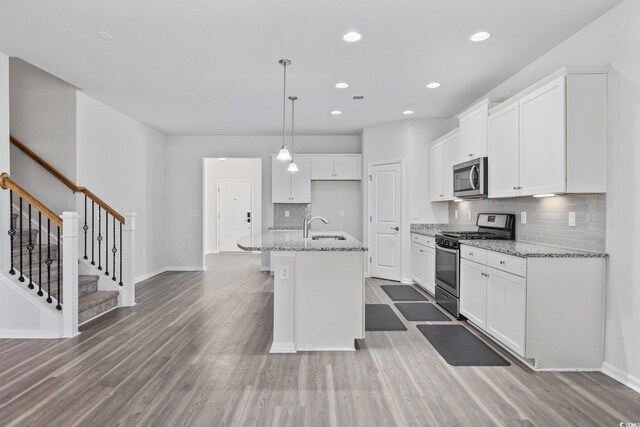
(551, 137)
(287, 187)
(336, 167)
(474, 130)
(444, 154)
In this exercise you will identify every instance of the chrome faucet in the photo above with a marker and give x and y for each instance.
(307, 223)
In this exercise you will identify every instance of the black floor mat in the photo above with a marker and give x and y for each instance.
(459, 347)
(421, 312)
(403, 293)
(380, 317)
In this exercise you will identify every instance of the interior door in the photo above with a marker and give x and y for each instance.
(386, 187)
(235, 215)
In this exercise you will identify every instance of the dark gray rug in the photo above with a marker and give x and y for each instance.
(380, 317)
(403, 293)
(421, 312)
(459, 347)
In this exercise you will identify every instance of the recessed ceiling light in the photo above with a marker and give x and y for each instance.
(352, 36)
(336, 112)
(433, 85)
(480, 36)
(342, 85)
(105, 35)
(407, 112)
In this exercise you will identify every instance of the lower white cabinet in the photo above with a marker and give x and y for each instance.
(473, 295)
(507, 308)
(423, 262)
(417, 263)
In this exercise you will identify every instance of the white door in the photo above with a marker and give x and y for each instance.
(507, 308)
(504, 146)
(301, 181)
(429, 270)
(386, 187)
(235, 214)
(473, 292)
(436, 186)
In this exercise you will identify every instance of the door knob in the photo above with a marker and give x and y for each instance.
(395, 228)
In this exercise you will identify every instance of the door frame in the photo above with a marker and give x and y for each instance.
(369, 179)
(218, 181)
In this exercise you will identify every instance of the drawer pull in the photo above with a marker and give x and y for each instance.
(470, 253)
(502, 262)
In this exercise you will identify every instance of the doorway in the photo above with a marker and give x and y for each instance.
(235, 212)
(385, 219)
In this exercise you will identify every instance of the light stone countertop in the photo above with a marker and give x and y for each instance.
(292, 240)
(531, 250)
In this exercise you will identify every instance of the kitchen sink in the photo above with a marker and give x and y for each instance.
(328, 237)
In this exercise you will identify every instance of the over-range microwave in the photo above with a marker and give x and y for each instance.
(470, 179)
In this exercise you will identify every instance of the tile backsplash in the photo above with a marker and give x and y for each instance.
(547, 218)
(297, 212)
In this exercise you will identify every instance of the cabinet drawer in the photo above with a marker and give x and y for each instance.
(508, 263)
(423, 240)
(473, 254)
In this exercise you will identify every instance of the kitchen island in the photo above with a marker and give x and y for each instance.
(318, 302)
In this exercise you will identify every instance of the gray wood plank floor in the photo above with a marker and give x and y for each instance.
(194, 351)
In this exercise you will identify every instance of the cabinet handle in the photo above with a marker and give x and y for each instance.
(470, 253)
(421, 251)
(515, 188)
(502, 262)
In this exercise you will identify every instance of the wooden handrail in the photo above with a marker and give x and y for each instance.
(66, 181)
(6, 183)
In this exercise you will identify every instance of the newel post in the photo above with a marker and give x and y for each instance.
(69, 274)
(129, 255)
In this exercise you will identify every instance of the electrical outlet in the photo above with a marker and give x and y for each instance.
(523, 217)
(469, 215)
(284, 272)
(341, 213)
(572, 219)
(286, 214)
(455, 214)
(414, 214)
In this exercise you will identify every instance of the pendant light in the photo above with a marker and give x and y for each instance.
(284, 152)
(293, 167)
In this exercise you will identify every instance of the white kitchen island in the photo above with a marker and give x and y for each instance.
(318, 302)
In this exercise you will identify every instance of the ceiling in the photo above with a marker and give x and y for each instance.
(211, 66)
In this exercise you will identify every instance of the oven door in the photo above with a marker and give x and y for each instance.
(448, 270)
(469, 178)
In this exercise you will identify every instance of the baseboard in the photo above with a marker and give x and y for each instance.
(33, 334)
(407, 282)
(149, 275)
(619, 375)
(211, 252)
(265, 268)
(201, 268)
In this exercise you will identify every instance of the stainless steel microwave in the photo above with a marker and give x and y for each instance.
(470, 179)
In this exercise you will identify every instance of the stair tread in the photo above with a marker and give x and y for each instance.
(95, 298)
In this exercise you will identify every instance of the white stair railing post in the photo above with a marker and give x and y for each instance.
(69, 274)
(129, 255)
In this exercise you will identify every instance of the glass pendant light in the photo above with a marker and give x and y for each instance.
(293, 167)
(284, 152)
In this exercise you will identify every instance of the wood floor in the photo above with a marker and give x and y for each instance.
(193, 351)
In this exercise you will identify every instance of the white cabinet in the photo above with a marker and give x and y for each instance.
(429, 271)
(417, 262)
(336, 167)
(473, 292)
(507, 309)
(504, 152)
(423, 262)
(288, 187)
(444, 154)
(474, 131)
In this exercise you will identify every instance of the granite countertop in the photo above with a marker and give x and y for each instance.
(287, 240)
(531, 250)
(286, 227)
(428, 229)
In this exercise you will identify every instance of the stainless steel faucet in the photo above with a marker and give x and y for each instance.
(307, 223)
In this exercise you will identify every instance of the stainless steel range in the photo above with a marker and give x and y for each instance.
(490, 226)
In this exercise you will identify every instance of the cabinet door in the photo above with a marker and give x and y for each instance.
(473, 292)
(417, 263)
(301, 181)
(542, 140)
(280, 181)
(347, 167)
(467, 138)
(506, 308)
(480, 132)
(322, 167)
(451, 149)
(504, 140)
(436, 188)
(429, 270)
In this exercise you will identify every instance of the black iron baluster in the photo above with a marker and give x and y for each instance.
(85, 227)
(59, 306)
(21, 278)
(30, 249)
(106, 243)
(12, 230)
(120, 255)
(114, 250)
(39, 253)
(49, 261)
(93, 229)
(99, 238)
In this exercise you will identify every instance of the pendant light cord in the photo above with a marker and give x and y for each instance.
(293, 100)
(284, 105)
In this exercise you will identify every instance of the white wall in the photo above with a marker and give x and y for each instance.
(408, 140)
(4, 158)
(121, 161)
(329, 198)
(215, 169)
(613, 38)
(184, 181)
(43, 117)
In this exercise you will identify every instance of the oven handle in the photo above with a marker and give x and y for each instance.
(451, 251)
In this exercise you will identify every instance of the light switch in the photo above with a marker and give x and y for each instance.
(341, 213)
(523, 217)
(572, 219)
(284, 272)
(455, 214)
(469, 215)
(414, 214)
(286, 214)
